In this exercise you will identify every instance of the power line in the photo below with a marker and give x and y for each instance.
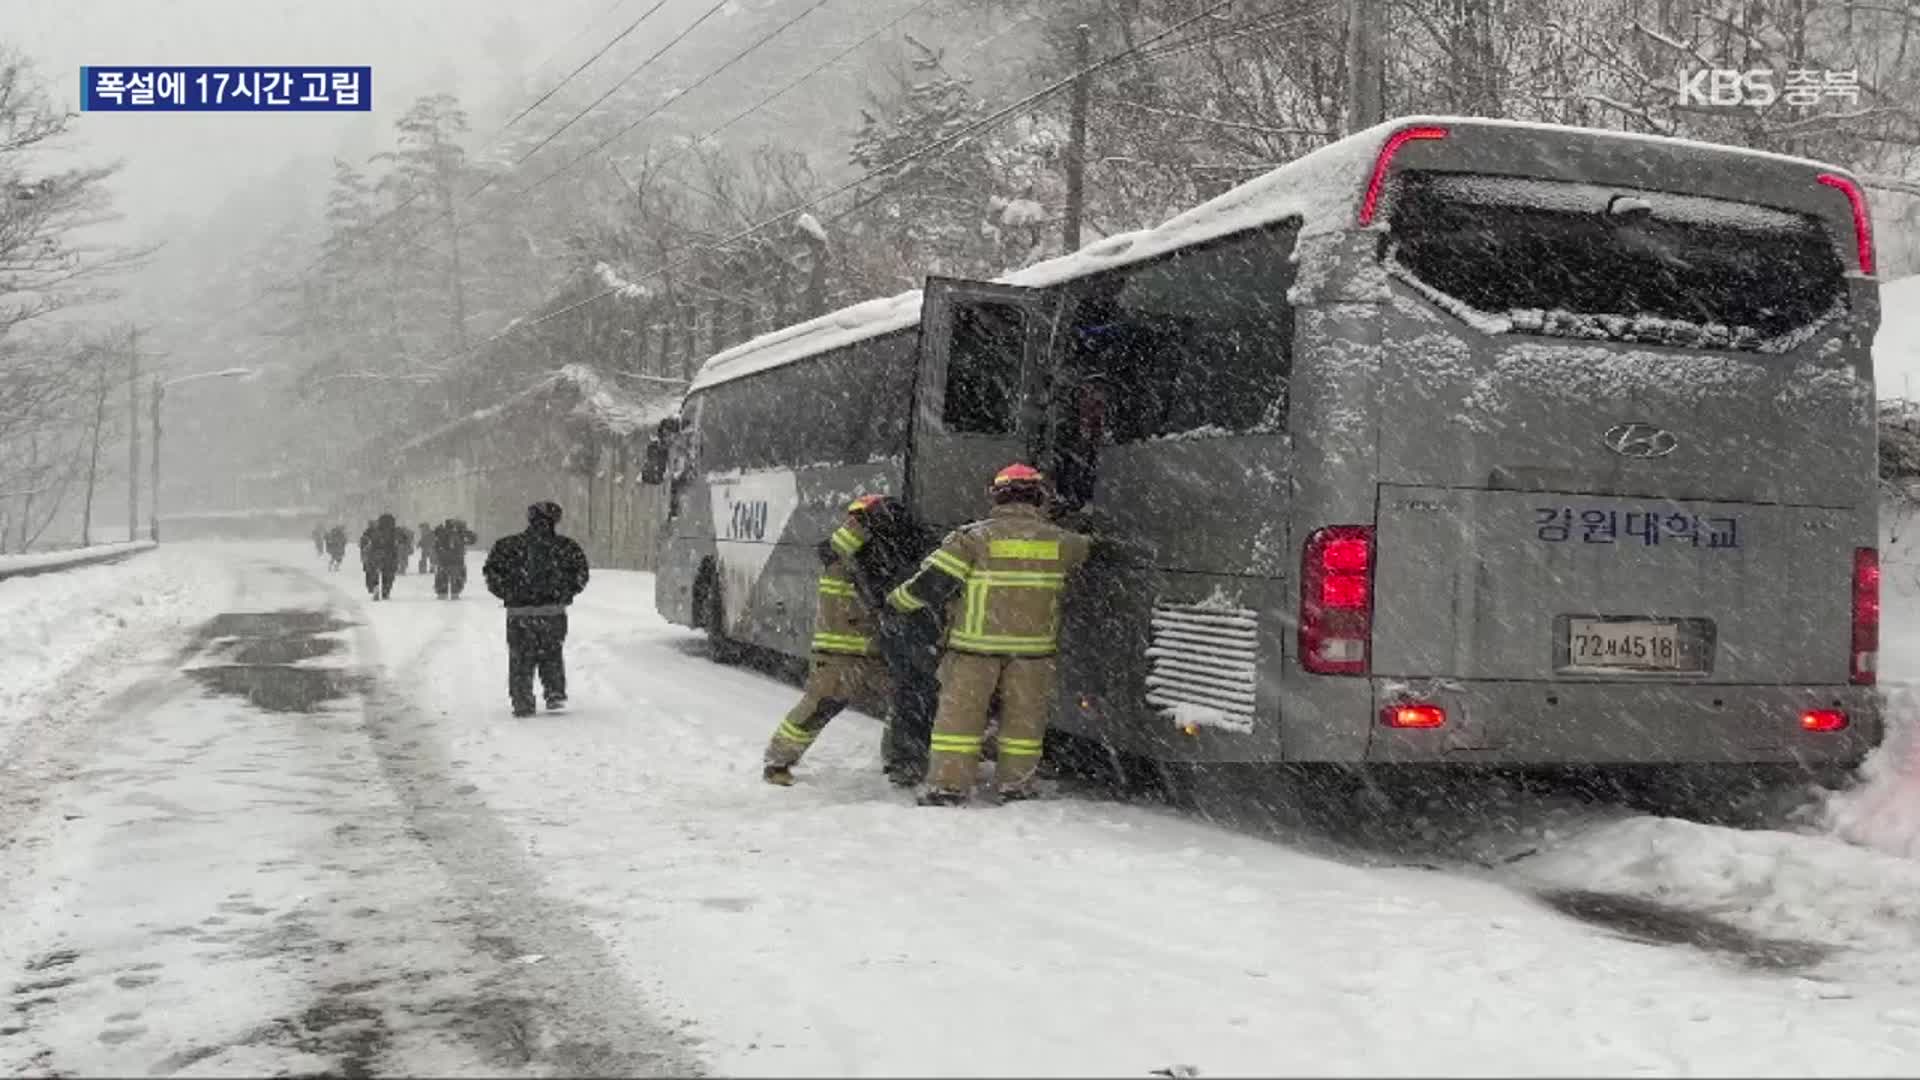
(936, 146)
(388, 214)
(656, 110)
(584, 64)
(648, 62)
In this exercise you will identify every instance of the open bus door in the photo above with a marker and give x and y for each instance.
(981, 352)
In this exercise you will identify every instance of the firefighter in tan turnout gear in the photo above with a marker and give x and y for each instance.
(846, 666)
(1002, 581)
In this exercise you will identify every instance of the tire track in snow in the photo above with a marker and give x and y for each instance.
(582, 1019)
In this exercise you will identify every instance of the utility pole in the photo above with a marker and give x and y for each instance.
(1366, 64)
(93, 457)
(1077, 138)
(133, 435)
(153, 496)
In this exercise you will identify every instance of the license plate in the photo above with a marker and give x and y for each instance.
(1629, 645)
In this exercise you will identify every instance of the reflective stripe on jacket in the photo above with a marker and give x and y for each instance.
(841, 623)
(1002, 580)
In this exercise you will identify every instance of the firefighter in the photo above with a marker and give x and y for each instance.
(885, 545)
(1001, 581)
(845, 665)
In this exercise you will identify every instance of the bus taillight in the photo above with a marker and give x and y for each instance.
(1866, 617)
(1336, 600)
(1862, 221)
(1378, 180)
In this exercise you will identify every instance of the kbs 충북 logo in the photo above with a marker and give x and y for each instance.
(1760, 87)
(226, 89)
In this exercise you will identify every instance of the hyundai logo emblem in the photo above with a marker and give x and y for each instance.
(1638, 439)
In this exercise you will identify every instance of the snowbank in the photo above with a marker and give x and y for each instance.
(53, 625)
(1777, 885)
(43, 561)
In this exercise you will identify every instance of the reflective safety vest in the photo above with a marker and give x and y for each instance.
(1002, 580)
(841, 623)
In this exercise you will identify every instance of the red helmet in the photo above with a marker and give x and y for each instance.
(1018, 482)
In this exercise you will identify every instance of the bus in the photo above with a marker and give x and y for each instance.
(1457, 441)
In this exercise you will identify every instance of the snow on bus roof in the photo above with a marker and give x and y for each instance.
(1322, 188)
(834, 330)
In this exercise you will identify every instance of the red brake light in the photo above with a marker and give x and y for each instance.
(1823, 720)
(1864, 664)
(1862, 221)
(1336, 600)
(1380, 165)
(1413, 716)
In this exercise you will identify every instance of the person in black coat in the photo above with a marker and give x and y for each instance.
(380, 556)
(336, 546)
(536, 574)
(450, 540)
(426, 534)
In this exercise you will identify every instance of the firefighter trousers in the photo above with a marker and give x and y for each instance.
(968, 682)
(835, 680)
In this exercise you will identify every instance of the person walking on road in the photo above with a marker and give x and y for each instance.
(1003, 580)
(450, 540)
(427, 542)
(536, 574)
(336, 546)
(380, 556)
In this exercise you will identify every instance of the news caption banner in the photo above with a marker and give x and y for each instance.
(226, 89)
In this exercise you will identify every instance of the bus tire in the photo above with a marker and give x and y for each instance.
(712, 609)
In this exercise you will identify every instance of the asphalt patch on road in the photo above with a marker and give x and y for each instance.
(1653, 923)
(265, 648)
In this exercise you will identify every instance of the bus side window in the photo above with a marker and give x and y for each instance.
(985, 355)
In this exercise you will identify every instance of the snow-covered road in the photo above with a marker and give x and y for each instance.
(408, 880)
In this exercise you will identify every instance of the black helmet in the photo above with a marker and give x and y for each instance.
(544, 513)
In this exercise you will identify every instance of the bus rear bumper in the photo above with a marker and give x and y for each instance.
(1550, 724)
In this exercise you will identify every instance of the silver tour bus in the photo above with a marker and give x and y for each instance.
(1456, 441)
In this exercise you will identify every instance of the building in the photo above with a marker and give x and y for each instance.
(573, 437)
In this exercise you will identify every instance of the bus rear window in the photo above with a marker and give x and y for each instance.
(1578, 260)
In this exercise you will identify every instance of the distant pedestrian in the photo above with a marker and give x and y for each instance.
(405, 560)
(450, 540)
(336, 546)
(536, 574)
(427, 544)
(319, 540)
(380, 556)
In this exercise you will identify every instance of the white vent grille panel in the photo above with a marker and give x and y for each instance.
(1201, 665)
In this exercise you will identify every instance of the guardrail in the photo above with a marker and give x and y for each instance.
(47, 562)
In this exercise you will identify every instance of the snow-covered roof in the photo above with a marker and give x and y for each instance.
(607, 407)
(834, 330)
(1322, 188)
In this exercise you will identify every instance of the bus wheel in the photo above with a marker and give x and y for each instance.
(713, 619)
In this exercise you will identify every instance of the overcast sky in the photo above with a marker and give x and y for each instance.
(184, 164)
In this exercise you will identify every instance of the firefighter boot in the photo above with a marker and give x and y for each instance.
(777, 775)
